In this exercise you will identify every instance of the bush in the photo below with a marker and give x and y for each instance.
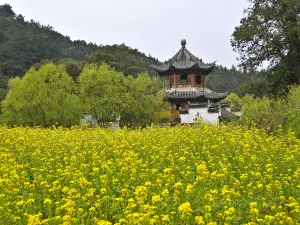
(271, 114)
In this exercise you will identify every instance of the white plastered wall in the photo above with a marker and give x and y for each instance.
(203, 112)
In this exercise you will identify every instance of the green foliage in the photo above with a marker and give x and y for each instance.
(143, 100)
(291, 110)
(107, 93)
(24, 43)
(264, 113)
(47, 95)
(257, 88)
(270, 33)
(223, 79)
(101, 90)
(270, 113)
(7, 11)
(2, 94)
(3, 81)
(124, 59)
(261, 112)
(235, 101)
(233, 98)
(42, 97)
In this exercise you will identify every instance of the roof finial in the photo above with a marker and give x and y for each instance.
(183, 42)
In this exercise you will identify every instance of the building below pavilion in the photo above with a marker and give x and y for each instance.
(184, 80)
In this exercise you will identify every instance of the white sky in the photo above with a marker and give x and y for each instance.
(154, 27)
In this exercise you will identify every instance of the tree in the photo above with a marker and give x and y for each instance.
(20, 18)
(2, 94)
(42, 97)
(7, 10)
(107, 93)
(101, 90)
(142, 101)
(73, 67)
(255, 88)
(270, 32)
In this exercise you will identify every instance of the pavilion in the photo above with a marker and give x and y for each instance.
(184, 80)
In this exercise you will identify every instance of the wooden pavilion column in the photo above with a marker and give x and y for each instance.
(191, 79)
(203, 81)
(175, 80)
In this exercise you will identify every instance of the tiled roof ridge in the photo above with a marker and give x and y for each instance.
(184, 60)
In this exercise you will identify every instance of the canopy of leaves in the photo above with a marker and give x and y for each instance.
(270, 32)
(107, 93)
(7, 11)
(101, 89)
(42, 97)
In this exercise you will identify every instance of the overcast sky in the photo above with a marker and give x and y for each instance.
(155, 27)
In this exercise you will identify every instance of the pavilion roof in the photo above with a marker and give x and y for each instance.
(194, 93)
(184, 60)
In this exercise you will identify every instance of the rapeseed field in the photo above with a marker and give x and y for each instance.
(182, 175)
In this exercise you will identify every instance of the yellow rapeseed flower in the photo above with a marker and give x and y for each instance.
(185, 208)
(47, 201)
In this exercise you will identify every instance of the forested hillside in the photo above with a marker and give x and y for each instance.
(26, 43)
(223, 79)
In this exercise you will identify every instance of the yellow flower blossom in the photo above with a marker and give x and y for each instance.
(34, 219)
(199, 220)
(104, 222)
(185, 209)
(156, 198)
(47, 201)
(165, 193)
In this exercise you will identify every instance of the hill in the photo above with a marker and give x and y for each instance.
(26, 43)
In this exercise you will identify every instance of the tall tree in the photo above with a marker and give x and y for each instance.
(270, 32)
(107, 93)
(101, 89)
(42, 97)
(142, 100)
(7, 10)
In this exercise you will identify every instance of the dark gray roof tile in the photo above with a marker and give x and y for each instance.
(194, 93)
(184, 60)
